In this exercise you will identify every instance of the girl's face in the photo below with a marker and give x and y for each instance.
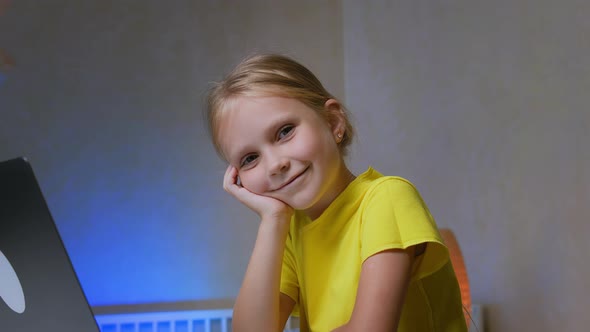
(285, 150)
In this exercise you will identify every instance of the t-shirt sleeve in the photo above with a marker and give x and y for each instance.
(289, 282)
(395, 217)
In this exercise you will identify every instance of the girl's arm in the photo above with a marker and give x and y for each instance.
(384, 280)
(260, 307)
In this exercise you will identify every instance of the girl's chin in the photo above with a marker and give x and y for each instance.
(297, 204)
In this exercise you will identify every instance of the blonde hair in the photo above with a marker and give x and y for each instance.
(274, 75)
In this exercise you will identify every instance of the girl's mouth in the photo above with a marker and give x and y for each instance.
(293, 179)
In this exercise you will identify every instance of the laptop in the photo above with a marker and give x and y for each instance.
(39, 289)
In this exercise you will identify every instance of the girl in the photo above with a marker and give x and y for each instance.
(344, 253)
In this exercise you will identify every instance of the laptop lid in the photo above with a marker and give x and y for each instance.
(39, 290)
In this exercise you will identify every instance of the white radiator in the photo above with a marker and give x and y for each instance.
(218, 320)
(173, 321)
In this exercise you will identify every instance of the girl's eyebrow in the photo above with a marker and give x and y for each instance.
(277, 123)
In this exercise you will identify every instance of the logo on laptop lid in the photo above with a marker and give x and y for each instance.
(11, 290)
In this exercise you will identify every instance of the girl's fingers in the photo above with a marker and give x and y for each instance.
(230, 179)
(258, 203)
(230, 184)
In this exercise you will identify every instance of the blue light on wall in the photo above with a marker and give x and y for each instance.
(135, 226)
(114, 134)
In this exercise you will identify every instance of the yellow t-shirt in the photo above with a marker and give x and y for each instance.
(323, 258)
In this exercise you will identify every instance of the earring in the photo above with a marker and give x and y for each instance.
(339, 135)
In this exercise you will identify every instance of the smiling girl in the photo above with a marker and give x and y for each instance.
(342, 252)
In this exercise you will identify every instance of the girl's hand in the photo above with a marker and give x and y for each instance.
(266, 207)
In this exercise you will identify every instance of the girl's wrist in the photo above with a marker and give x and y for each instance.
(278, 224)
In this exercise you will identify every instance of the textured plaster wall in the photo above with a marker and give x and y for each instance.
(106, 100)
(485, 106)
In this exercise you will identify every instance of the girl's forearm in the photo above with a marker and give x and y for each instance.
(257, 305)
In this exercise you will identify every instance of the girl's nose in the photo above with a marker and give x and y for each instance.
(278, 164)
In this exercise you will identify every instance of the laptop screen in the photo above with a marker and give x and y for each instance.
(39, 290)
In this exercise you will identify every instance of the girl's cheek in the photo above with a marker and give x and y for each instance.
(250, 182)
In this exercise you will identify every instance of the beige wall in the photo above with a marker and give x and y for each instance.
(106, 102)
(485, 106)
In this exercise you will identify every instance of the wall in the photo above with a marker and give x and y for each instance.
(484, 105)
(106, 103)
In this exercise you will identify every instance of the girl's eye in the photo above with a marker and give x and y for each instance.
(248, 160)
(285, 131)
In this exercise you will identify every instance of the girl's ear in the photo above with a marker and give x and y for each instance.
(336, 119)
